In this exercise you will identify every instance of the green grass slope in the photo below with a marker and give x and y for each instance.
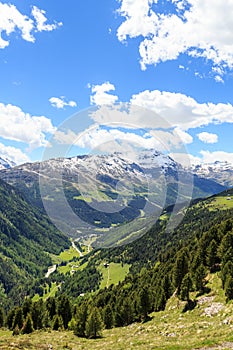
(207, 327)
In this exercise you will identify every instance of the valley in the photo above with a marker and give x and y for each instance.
(108, 196)
(165, 289)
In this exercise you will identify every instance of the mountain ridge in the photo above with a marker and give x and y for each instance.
(107, 191)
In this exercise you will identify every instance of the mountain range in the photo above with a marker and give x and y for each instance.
(107, 191)
(175, 270)
(221, 172)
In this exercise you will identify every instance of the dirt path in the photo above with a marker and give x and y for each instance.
(51, 269)
(76, 248)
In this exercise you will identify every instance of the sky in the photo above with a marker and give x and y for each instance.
(173, 58)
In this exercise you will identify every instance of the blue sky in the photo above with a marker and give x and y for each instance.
(173, 57)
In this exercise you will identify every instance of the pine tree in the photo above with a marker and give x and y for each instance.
(57, 323)
(108, 317)
(180, 268)
(94, 324)
(64, 310)
(127, 312)
(2, 317)
(51, 307)
(27, 305)
(185, 288)
(229, 287)
(28, 325)
(81, 318)
(200, 278)
(143, 303)
(160, 299)
(227, 270)
(211, 253)
(18, 318)
(37, 313)
(10, 318)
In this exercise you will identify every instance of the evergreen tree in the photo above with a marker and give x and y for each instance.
(2, 317)
(226, 243)
(18, 318)
(227, 270)
(81, 318)
(37, 313)
(94, 324)
(28, 325)
(166, 286)
(108, 316)
(200, 278)
(180, 268)
(127, 312)
(46, 319)
(26, 307)
(211, 253)
(185, 288)
(229, 287)
(10, 318)
(51, 307)
(64, 310)
(57, 323)
(160, 299)
(143, 303)
(119, 316)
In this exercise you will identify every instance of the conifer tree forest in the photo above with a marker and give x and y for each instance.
(162, 264)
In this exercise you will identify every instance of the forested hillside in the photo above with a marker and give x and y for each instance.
(163, 264)
(26, 239)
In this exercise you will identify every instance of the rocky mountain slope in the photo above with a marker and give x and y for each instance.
(6, 163)
(221, 172)
(107, 191)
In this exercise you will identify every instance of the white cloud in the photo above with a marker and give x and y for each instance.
(183, 111)
(207, 137)
(41, 20)
(185, 159)
(101, 96)
(11, 20)
(194, 27)
(22, 127)
(169, 140)
(13, 154)
(211, 157)
(218, 79)
(60, 103)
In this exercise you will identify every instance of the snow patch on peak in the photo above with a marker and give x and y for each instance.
(5, 163)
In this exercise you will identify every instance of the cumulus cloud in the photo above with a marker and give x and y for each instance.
(183, 111)
(185, 159)
(207, 137)
(60, 103)
(41, 20)
(171, 139)
(114, 139)
(22, 127)
(211, 157)
(12, 20)
(193, 27)
(100, 94)
(13, 154)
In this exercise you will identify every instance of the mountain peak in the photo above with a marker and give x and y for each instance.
(5, 163)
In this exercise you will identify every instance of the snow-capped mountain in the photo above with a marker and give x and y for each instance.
(219, 171)
(107, 190)
(6, 163)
